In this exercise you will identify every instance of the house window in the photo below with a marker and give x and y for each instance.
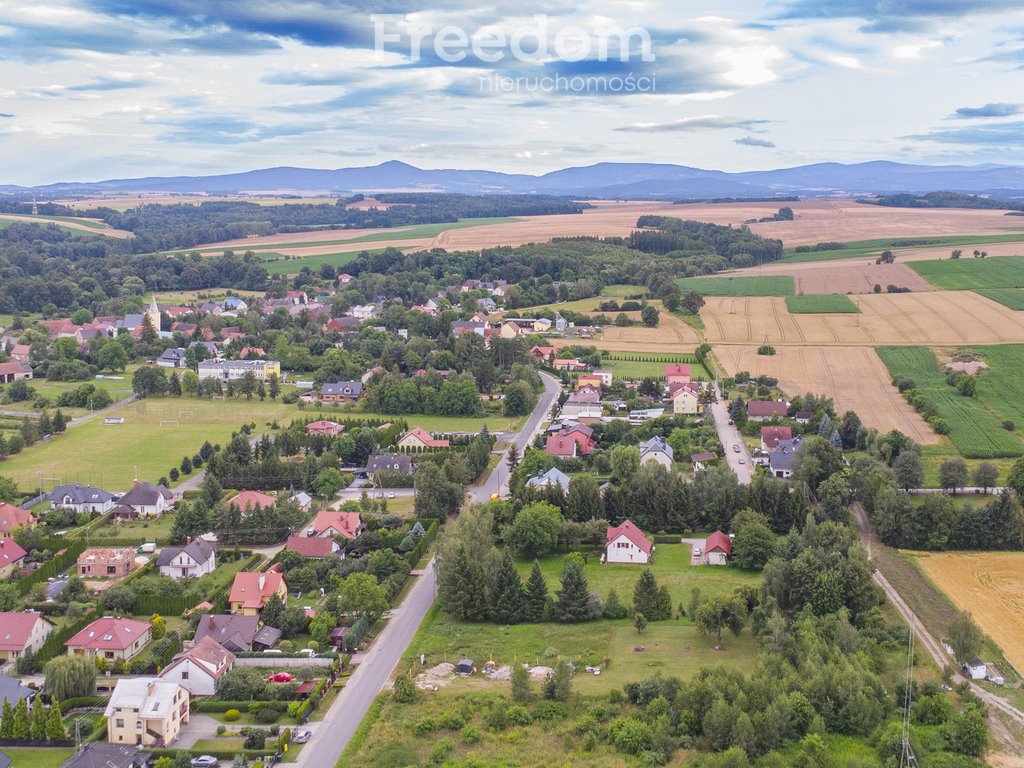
(120, 723)
(184, 674)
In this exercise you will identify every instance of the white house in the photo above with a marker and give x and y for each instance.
(975, 670)
(552, 477)
(365, 311)
(81, 498)
(658, 451)
(200, 669)
(197, 558)
(148, 500)
(717, 549)
(627, 544)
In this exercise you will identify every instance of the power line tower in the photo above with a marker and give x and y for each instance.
(907, 757)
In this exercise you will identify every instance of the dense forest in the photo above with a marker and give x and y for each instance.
(739, 247)
(944, 200)
(166, 227)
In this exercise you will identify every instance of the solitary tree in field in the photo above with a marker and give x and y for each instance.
(720, 612)
(640, 622)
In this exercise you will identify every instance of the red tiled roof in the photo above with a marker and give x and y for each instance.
(719, 541)
(12, 517)
(109, 634)
(426, 438)
(252, 499)
(247, 589)
(16, 628)
(770, 436)
(677, 369)
(631, 532)
(689, 386)
(766, 408)
(310, 546)
(10, 553)
(345, 523)
(560, 445)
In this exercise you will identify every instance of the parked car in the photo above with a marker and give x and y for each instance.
(736, 447)
(300, 737)
(743, 461)
(205, 761)
(280, 677)
(391, 494)
(306, 652)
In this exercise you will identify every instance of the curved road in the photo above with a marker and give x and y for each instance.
(340, 722)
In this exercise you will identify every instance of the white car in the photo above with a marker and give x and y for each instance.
(205, 761)
(391, 494)
(736, 447)
(743, 461)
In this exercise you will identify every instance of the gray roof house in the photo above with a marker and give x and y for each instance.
(341, 390)
(237, 633)
(547, 479)
(197, 558)
(657, 449)
(81, 498)
(102, 754)
(396, 463)
(12, 690)
(780, 460)
(172, 358)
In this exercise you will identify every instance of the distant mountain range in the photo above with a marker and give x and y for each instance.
(603, 180)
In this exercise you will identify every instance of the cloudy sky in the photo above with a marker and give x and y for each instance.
(96, 89)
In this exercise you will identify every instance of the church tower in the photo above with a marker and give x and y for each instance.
(153, 313)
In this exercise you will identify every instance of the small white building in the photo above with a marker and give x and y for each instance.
(975, 670)
(658, 451)
(197, 558)
(685, 398)
(148, 500)
(200, 669)
(81, 498)
(627, 544)
(717, 549)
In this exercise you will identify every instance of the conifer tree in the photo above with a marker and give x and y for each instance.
(572, 601)
(645, 595)
(536, 594)
(507, 599)
(22, 725)
(55, 724)
(6, 720)
(39, 722)
(462, 587)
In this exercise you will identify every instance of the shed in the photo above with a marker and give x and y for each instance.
(975, 670)
(465, 667)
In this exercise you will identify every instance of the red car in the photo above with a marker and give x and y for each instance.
(280, 677)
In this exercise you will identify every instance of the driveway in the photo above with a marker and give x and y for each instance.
(730, 437)
(695, 559)
(197, 728)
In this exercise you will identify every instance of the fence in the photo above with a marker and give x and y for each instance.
(61, 562)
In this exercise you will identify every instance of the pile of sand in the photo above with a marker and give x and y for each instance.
(504, 672)
(970, 368)
(436, 677)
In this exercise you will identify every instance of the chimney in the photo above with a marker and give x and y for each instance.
(262, 581)
(188, 540)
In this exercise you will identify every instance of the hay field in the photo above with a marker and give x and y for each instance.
(126, 201)
(813, 277)
(991, 586)
(88, 226)
(854, 377)
(936, 318)
(671, 336)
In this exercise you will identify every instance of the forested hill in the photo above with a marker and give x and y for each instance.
(945, 200)
(168, 227)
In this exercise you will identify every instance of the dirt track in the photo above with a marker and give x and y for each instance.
(854, 377)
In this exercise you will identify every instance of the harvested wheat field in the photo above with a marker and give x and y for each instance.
(671, 336)
(991, 586)
(934, 318)
(89, 226)
(858, 276)
(854, 377)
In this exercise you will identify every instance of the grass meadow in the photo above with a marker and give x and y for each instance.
(772, 285)
(972, 274)
(828, 303)
(861, 248)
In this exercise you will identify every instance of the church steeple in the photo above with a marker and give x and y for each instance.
(153, 313)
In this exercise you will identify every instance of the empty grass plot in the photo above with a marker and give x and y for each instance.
(972, 274)
(775, 285)
(822, 304)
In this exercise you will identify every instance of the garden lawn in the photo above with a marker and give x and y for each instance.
(493, 422)
(623, 366)
(932, 457)
(774, 285)
(157, 530)
(830, 303)
(37, 757)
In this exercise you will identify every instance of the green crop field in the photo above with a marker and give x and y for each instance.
(829, 303)
(861, 248)
(1001, 388)
(974, 423)
(971, 274)
(626, 366)
(293, 265)
(776, 285)
(1012, 298)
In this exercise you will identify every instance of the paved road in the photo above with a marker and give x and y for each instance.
(934, 647)
(730, 436)
(497, 481)
(375, 666)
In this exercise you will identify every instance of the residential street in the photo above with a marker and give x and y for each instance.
(730, 436)
(375, 666)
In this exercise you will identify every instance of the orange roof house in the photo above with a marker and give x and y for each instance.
(251, 590)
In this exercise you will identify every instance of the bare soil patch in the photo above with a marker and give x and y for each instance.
(854, 377)
(934, 318)
(854, 276)
(991, 586)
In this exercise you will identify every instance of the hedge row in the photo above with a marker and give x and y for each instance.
(220, 706)
(60, 563)
(220, 754)
(82, 702)
(414, 555)
(54, 645)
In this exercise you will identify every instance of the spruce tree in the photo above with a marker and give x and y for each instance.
(273, 612)
(613, 607)
(507, 599)
(572, 602)
(520, 684)
(59, 422)
(664, 604)
(645, 595)
(55, 724)
(536, 594)
(22, 725)
(39, 722)
(6, 721)
(462, 589)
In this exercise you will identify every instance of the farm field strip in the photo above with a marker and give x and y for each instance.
(1011, 298)
(991, 586)
(975, 430)
(937, 246)
(854, 377)
(936, 318)
(970, 273)
(821, 304)
(70, 223)
(739, 286)
(671, 335)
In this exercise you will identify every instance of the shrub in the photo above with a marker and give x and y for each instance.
(519, 715)
(630, 735)
(256, 739)
(452, 721)
(222, 729)
(549, 710)
(471, 734)
(231, 715)
(442, 750)
(425, 727)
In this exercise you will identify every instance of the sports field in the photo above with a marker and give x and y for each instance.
(991, 586)
(823, 304)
